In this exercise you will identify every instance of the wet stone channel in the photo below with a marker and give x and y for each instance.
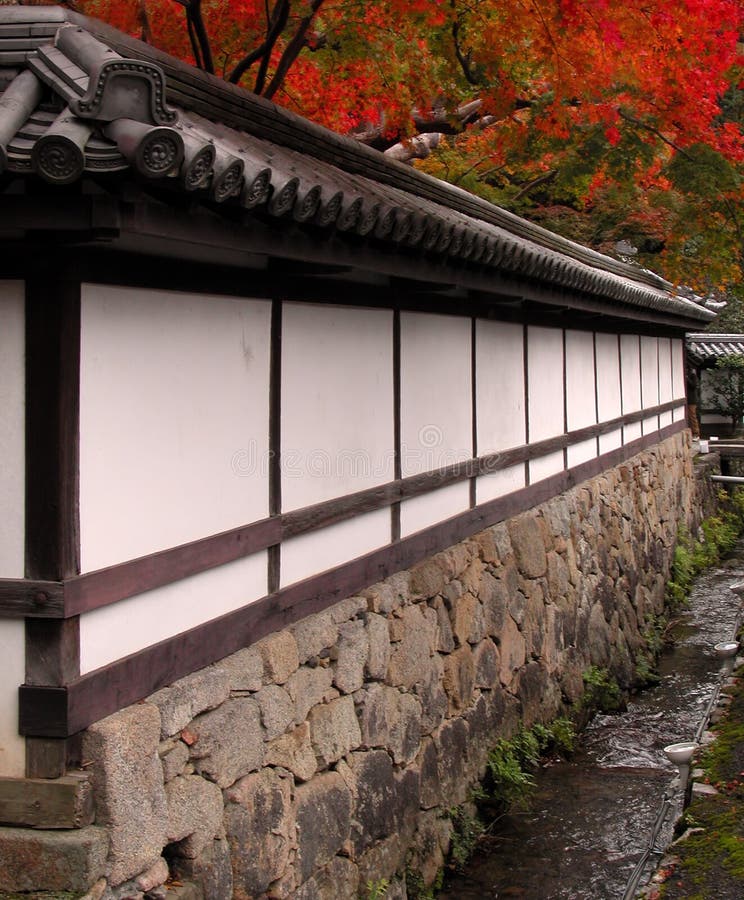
(591, 819)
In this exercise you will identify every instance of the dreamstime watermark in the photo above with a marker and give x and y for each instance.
(427, 454)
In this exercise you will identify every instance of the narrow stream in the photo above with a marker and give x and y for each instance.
(591, 819)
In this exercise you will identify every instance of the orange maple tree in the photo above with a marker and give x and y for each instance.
(607, 120)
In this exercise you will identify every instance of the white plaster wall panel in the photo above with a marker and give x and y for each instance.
(546, 466)
(310, 554)
(678, 377)
(678, 368)
(666, 375)
(12, 514)
(337, 402)
(630, 363)
(581, 452)
(497, 484)
(666, 386)
(436, 399)
(545, 395)
(112, 632)
(650, 380)
(13, 655)
(609, 399)
(434, 507)
(545, 382)
(174, 409)
(499, 380)
(610, 441)
(12, 428)
(581, 401)
(632, 432)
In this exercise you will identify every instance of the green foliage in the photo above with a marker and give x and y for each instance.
(511, 762)
(377, 889)
(563, 736)
(702, 171)
(511, 782)
(683, 571)
(720, 533)
(601, 691)
(644, 673)
(468, 828)
(416, 889)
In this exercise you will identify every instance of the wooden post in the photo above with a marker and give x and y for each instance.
(52, 489)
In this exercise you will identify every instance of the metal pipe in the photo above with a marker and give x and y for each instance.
(728, 479)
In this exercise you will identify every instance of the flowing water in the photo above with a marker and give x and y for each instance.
(592, 818)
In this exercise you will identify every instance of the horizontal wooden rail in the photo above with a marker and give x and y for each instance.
(93, 590)
(63, 711)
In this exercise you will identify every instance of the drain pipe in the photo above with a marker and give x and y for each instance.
(682, 753)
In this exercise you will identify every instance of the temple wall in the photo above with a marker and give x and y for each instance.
(327, 754)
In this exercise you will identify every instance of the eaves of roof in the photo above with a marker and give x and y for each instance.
(81, 99)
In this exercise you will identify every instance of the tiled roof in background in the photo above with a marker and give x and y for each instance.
(80, 99)
(708, 347)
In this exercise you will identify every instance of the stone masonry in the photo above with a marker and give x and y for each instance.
(324, 757)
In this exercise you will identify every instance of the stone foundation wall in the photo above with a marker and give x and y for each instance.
(324, 757)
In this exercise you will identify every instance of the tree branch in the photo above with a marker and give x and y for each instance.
(196, 21)
(144, 22)
(462, 58)
(292, 50)
(276, 23)
(418, 147)
(536, 182)
(639, 124)
(279, 19)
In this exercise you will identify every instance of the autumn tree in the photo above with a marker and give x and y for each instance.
(605, 121)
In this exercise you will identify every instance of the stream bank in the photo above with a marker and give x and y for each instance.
(591, 818)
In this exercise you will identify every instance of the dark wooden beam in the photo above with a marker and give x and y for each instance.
(52, 488)
(21, 598)
(105, 586)
(93, 590)
(62, 711)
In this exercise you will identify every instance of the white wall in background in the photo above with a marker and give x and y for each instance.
(499, 386)
(310, 554)
(500, 414)
(436, 406)
(545, 395)
(12, 514)
(434, 507)
(337, 423)
(581, 402)
(609, 399)
(650, 380)
(666, 376)
(174, 409)
(630, 362)
(488, 487)
(678, 377)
